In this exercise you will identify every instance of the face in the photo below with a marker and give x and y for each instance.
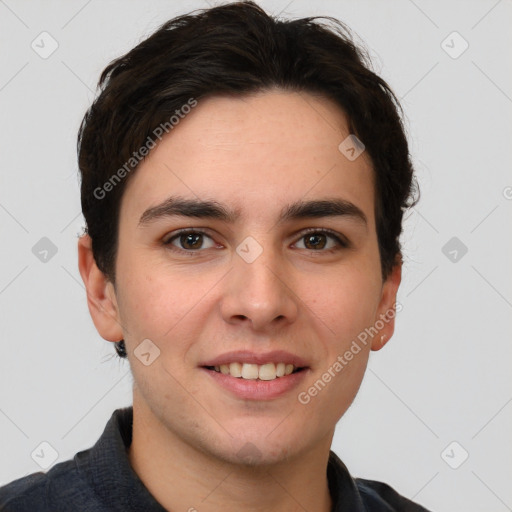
(251, 280)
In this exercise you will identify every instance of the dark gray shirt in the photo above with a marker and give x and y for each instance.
(101, 479)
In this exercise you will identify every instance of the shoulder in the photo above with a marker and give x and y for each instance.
(24, 492)
(380, 497)
(362, 495)
(48, 491)
(89, 482)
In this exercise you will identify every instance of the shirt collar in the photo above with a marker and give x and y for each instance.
(107, 469)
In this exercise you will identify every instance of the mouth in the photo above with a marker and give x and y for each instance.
(250, 375)
(250, 371)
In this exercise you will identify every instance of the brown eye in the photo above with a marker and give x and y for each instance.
(190, 241)
(318, 240)
(315, 241)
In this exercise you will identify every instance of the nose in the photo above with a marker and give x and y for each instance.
(259, 292)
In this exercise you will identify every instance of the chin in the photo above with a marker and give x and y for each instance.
(259, 450)
(251, 455)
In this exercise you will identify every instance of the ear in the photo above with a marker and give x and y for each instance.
(101, 297)
(386, 311)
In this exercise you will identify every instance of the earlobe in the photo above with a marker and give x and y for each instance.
(385, 319)
(101, 298)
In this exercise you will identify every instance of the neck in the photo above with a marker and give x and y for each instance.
(180, 477)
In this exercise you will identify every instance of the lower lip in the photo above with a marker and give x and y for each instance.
(256, 389)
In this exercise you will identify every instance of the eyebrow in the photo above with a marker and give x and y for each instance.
(195, 208)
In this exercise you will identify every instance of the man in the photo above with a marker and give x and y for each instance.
(243, 185)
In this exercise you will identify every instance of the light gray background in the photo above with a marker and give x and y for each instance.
(444, 377)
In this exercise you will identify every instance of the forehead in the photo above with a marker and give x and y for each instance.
(254, 153)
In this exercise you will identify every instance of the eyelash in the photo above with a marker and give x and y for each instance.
(342, 243)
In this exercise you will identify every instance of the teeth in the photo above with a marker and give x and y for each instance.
(249, 371)
(235, 369)
(268, 371)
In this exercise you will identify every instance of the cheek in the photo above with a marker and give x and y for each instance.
(152, 308)
(347, 309)
(163, 303)
(347, 304)
(150, 303)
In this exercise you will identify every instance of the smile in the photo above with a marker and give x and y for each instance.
(249, 371)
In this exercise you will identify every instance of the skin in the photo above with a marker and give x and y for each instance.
(257, 153)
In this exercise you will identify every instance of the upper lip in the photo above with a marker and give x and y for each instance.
(246, 356)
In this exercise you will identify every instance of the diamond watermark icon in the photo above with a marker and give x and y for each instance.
(249, 249)
(44, 455)
(351, 147)
(454, 455)
(249, 453)
(454, 249)
(44, 45)
(146, 352)
(44, 250)
(454, 45)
